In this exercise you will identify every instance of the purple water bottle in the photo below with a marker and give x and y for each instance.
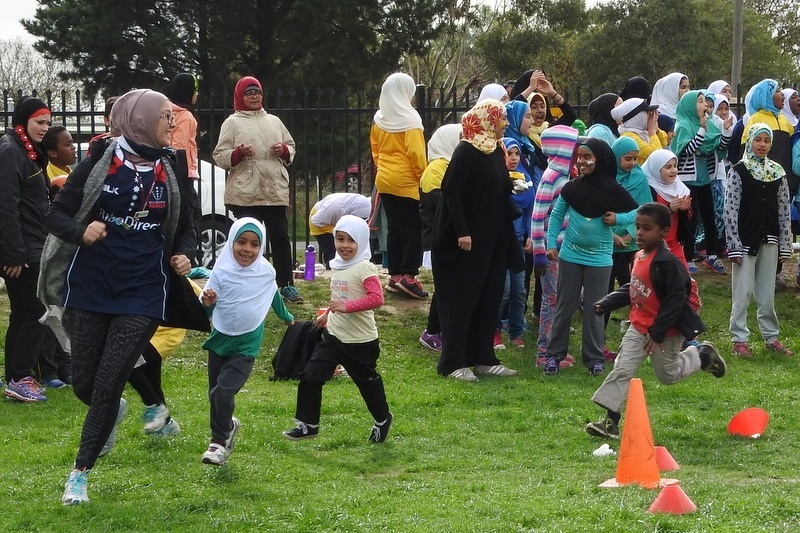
(311, 260)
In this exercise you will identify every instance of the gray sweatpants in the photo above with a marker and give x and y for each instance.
(670, 365)
(226, 376)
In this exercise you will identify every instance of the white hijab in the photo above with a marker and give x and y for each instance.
(787, 110)
(494, 91)
(395, 113)
(636, 124)
(244, 294)
(443, 142)
(717, 86)
(665, 94)
(652, 169)
(357, 229)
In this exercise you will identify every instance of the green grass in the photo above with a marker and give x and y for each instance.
(501, 455)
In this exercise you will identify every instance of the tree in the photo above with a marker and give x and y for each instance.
(23, 69)
(285, 43)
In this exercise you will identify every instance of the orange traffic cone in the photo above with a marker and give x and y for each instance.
(637, 457)
(749, 423)
(664, 460)
(672, 500)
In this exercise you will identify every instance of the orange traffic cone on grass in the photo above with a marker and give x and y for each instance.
(637, 457)
(672, 500)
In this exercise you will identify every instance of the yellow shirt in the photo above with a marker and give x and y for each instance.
(433, 174)
(645, 149)
(54, 171)
(400, 159)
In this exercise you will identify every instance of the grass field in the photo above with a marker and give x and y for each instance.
(500, 455)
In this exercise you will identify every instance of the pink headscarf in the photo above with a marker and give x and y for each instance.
(238, 93)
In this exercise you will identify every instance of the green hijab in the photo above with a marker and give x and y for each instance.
(688, 123)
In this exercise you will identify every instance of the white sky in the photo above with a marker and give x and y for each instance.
(13, 11)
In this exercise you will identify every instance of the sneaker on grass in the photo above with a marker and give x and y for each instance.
(155, 417)
(432, 341)
(54, 383)
(25, 389)
(498, 341)
(112, 438)
(716, 364)
(214, 455)
(777, 346)
(597, 369)
(291, 295)
(742, 349)
(412, 288)
(380, 430)
(463, 374)
(75, 489)
(551, 366)
(302, 431)
(495, 370)
(605, 428)
(517, 342)
(230, 442)
(169, 429)
(715, 266)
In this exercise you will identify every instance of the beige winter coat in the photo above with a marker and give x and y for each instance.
(258, 180)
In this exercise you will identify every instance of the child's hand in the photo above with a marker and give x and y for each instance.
(618, 242)
(528, 248)
(322, 320)
(338, 306)
(465, 243)
(686, 203)
(208, 297)
(728, 124)
(552, 254)
(598, 309)
(703, 120)
(289, 322)
(610, 218)
(94, 232)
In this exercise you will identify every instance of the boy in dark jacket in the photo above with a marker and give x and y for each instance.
(661, 318)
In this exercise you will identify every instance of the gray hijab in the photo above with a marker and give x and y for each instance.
(135, 117)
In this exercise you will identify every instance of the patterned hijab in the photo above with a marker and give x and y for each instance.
(479, 123)
(761, 168)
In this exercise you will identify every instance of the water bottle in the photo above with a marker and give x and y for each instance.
(311, 259)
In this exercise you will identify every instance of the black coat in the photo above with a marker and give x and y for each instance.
(24, 201)
(672, 285)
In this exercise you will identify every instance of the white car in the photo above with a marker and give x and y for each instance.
(217, 220)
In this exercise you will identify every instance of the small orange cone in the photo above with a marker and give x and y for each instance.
(749, 423)
(672, 500)
(637, 458)
(664, 460)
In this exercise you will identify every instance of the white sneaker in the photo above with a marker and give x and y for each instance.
(155, 417)
(464, 374)
(231, 440)
(215, 455)
(495, 370)
(75, 489)
(169, 429)
(112, 437)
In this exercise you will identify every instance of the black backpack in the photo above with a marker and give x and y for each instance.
(295, 349)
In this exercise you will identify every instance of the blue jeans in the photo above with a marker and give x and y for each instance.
(512, 306)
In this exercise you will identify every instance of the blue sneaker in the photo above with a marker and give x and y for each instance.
(155, 417)
(692, 268)
(26, 389)
(169, 429)
(551, 366)
(715, 266)
(290, 294)
(75, 489)
(112, 438)
(54, 383)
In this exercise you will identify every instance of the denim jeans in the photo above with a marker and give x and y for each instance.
(512, 306)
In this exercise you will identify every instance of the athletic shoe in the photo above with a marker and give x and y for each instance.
(692, 267)
(495, 370)
(498, 341)
(75, 489)
(230, 442)
(780, 283)
(169, 429)
(741, 349)
(381, 430)
(214, 455)
(605, 428)
(26, 389)
(302, 431)
(290, 294)
(567, 362)
(463, 374)
(54, 383)
(112, 438)
(715, 266)
(155, 417)
(412, 288)
(777, 346)
(551, 366)
(517, 343)
(432, 341)
(597, 369)
(716, 364)
(392, 286)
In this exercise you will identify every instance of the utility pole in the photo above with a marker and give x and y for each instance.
(738, 28)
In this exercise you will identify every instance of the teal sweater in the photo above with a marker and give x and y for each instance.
(587, 241)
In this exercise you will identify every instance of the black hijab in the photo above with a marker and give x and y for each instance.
(522, 83)
(26, 106)
(181, 90)
(600, 111)
(636, 87)
(596, 194)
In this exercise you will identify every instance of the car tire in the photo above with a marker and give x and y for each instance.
(213, 232)
(352, 183)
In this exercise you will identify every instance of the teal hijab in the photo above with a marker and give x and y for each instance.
(688, 123)
(635, 182)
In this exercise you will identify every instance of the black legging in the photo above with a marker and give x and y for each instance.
(25, 334)
(104, 350)
(146, 379)
(404, 238)
(703, 203)
(274, 219)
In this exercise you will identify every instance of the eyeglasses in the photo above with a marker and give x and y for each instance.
(169, 117)
(252, 93)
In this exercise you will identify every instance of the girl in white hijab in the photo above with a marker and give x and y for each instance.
(667, 93)
(351, 336)
(494, 91)
(661, 170)
(240, 292)
(787, 111)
